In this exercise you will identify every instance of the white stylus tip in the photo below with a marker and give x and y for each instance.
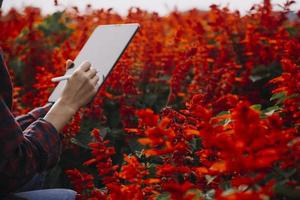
(61, 78)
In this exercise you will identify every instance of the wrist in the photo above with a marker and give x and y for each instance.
(67, 106)
(60, 114)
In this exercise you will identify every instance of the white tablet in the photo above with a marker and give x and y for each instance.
(103, 49)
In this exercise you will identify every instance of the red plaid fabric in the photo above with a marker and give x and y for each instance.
(28, 144)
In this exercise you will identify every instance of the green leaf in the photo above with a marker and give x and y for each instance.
(286, 174)
(229, 192)
(256, 107)
(152, 169)
(165, 77)
(278, 96)
(164, 196)
(198, 194)
(281, 97)
(269, 111)
(210, 179)
(292, 30)
(77, 142)
(210, 194)
(264, 73)
(223, 113)
(255, 78)
(225, 122)
(196, 143)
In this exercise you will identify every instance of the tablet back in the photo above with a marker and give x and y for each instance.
(103, 49)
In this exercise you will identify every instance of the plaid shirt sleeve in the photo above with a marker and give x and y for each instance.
(24, 153)
(25, 120)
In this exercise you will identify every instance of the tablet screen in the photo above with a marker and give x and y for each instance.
(103, 49)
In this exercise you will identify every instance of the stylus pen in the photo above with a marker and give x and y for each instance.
(62, 78)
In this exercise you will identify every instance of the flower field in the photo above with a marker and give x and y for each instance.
(202, 105)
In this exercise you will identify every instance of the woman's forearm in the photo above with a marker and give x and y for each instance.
(60, 114)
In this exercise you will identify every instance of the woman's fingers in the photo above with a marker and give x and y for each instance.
(69, 64)
(85, 66)
(95, 80)
(88, 73)
(91, 73)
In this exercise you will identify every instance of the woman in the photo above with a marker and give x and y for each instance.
(31, 144)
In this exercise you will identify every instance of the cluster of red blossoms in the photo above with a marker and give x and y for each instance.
(202, 105)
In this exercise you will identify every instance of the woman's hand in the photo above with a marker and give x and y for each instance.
(81, 87)
(79, 90)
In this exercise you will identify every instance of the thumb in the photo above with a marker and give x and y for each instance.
(69, 64)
